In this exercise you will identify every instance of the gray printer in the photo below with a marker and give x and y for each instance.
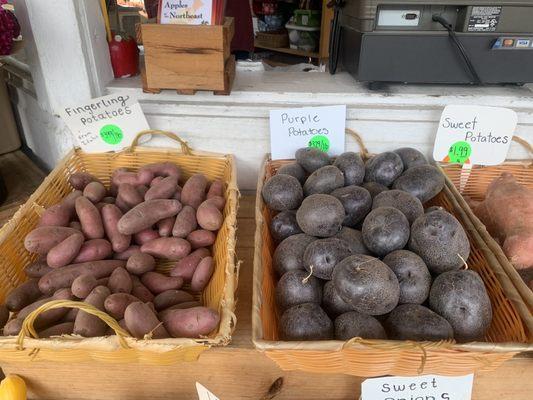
(434, 41)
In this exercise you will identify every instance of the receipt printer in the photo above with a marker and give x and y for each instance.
(434, 41)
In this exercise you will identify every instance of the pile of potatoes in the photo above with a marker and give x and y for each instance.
(100, 246)
(359, 256)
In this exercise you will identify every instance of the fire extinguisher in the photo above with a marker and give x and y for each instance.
(124, 56)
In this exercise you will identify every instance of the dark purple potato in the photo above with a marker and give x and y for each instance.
(356, 201)
(284, 225)
(332, 303)
(423, 181)
(352, 166)
(321, 256)
(385, 229)
(297, 287)
(409, 205)
(461, 298)
(416, 322)
(289, 255)
(383, 168)
(367, 284)
(305, 322)
(413, 275)
(353, 324)
(354, 238)
(324, 180)
(440, 240)
(293, 169)
(320, 215)
(411, 157)
(311, 159)
(282, 192)
(374, 188)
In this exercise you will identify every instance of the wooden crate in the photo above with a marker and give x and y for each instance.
(188, 58)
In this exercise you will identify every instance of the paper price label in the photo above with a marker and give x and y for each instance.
(474, 135)
(204, 393)
(426, 387)
(320, 127)
(107, 123)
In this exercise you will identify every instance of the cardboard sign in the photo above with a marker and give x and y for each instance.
(425, 387)
(294, 128)
(474, 135)
(107, 123)
(204, 394)
(186, 12)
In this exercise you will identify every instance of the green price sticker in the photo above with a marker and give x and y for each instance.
(320, 142)
(459, 152)
(111, 134)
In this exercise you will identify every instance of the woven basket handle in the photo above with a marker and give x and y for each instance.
(185, 148)
(364, 151)
(525, 144)
(29, 330)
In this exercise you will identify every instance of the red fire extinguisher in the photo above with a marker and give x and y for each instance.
(124, 56)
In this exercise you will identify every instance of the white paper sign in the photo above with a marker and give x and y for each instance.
(474, 135)
(294, 128)
(425, 387)
(204, 394)
(186, 12)
(107, 123)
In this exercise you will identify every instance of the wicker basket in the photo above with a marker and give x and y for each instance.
(219, 294)
(473, 183)
(273, 39)
(507, 336)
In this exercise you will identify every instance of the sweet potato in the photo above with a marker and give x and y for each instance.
(126, 254)
(185, 267)
(4, 315)
(120, 281)
(177, 193)
(94, 250)
(147, 214)
(145, 236)
(79, 180)
(89, 325)
(201, 238)
(140, 291)
(168, 298)
(141, 321)
(95, 191)
(69, 202)
(129, 195)
(42, 239)
(49, 317)
(162, 169)
(142, 189)
(156, 180)
(13, 327)
(37, 269)
(122, 175)
(90, 220)
(508, 214)
(180, 306)
(185, 222)
(165, 226)
(64, 276)
(158, 283)
(23, 295)
(190, 323)
(56, 215)
(83, 285)
(116, 304)
(110, 217)
(163, 189)
(70, 316)
(139, 263)
(216, 189)
(170, 248)
(202, 274)
(217, 201)
(99, 206)
(75, 225)
(193, 193)
(63, 253)
(209, 217)
(64, 328)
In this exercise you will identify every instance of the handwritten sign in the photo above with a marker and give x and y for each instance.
(474, 135)
(204, 393)
(186, 12)
(321, 127)
(425, 387)
(107, 123)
